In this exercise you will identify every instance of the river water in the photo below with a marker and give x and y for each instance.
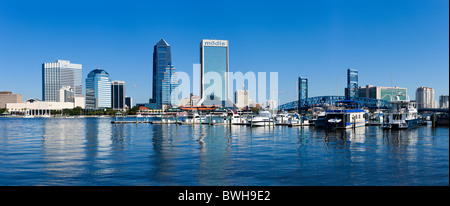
(92, 151)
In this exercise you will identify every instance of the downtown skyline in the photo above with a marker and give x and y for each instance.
(404, 42)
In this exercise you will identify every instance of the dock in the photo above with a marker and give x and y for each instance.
(127, 122)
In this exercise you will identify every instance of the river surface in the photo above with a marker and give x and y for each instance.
(92, 151)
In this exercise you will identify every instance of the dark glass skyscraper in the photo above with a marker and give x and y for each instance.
(161, 58)
(302, 92)
(118, 95)
(352, 84)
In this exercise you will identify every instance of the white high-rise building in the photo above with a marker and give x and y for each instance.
(425, 97)
(241, 98)
(60, 74)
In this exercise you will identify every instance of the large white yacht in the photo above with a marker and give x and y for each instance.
(403, 115)
(264, 118)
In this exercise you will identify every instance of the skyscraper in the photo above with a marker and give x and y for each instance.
(425, 97)
(352, 84)
(118, 95)
(169, 88)
(60, 74)
(302, 92)
(443, 102)
(214, 68)
(241, 98)
(98, 89)
(161, 58)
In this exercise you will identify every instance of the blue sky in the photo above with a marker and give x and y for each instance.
(404, 41)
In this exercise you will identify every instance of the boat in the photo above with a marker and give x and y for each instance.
(264, 118)
(347, 114)
(403, 115)
(320, 120)
(28, 116)
(345, 118)
(282, 117)
(375, 118)
(193, 118)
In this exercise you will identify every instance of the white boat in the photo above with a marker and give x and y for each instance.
(403, 115)
(46, 116)
(376, 118)
(345, 118)
(264, 118)
(282, 117)
(194, 118)
(346, 115)
(28, 116)
(235, 118)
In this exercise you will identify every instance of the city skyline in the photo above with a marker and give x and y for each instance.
(402, 44)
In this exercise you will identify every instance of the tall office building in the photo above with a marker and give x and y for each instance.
(214, 68)
(118, 95)
(129, 102)
(98, 89)
(241, 98)
(60, 74)
(425, 97)
(161, 58)
(352, 84)
(443, 102)
(302, 92)
(169, 88)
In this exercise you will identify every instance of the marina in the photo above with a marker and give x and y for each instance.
(92, 151)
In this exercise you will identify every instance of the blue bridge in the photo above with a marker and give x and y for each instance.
(321, 101)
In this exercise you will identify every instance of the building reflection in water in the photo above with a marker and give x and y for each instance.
(163, 168)
(63, 150)
(214, 165)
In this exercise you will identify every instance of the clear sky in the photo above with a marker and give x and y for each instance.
(401, 41)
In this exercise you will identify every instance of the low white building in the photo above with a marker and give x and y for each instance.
(37, 107)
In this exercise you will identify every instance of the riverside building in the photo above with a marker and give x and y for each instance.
(98, 89)
(425, 97)
(385, 93)
(162, 57)
(443, 102)
(60, 74)
(118, 95)
(9, 97)
(213, 71)
(169, 88)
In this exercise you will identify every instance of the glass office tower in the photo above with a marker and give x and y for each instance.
(118, 95)
(98, 89)
(161, 58)
(170, 88)
(302, 92)
(60, 74)
(352, 84)
(214, 68)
